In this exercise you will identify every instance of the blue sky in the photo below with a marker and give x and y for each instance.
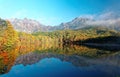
(53, 12)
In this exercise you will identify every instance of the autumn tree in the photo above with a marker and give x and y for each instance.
(10, 37)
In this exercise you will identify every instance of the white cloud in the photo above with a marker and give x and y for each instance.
(109, 15)
(104, 22)
(105, 15)
(107, 18)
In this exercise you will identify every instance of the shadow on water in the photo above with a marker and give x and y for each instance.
(105, 47)
(81, 57)
(108, 43)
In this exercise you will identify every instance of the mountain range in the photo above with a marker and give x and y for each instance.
(30, 26)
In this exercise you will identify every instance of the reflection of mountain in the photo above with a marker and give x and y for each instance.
(109, 65)
(32, 58)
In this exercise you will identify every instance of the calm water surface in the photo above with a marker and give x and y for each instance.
(75, 61)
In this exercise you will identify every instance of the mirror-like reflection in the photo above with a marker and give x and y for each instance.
(67, 60)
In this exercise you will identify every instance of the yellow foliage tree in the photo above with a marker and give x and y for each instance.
(10, 38)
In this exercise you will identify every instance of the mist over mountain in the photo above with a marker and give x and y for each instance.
(109, 19)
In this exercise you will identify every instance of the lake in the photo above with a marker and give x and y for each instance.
(59, 61)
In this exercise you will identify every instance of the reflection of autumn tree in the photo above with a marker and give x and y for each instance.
(73, 50)
(7, 60)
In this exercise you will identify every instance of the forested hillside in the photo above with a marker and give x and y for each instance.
(70, 36)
